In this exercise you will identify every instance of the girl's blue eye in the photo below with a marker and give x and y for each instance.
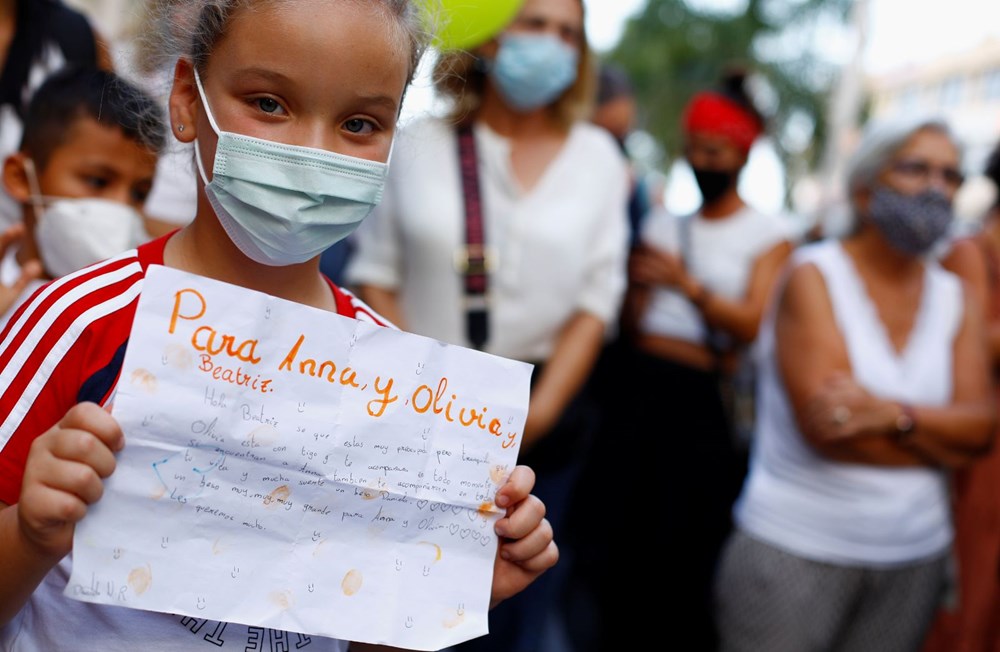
(357, 125)
(268, 105)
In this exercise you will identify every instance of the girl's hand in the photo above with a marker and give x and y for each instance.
(526, 548)
(64, 474)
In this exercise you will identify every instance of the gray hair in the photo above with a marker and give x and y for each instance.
(880, 142)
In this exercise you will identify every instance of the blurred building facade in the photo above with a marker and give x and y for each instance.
(965, 87)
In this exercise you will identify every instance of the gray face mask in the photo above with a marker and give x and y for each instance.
(911, 224)
(284, 204)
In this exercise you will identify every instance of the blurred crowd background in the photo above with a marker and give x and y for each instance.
(824, 68)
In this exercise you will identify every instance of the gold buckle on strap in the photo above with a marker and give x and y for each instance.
(475, 259)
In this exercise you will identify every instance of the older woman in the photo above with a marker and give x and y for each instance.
(874, 381)
(503, 227)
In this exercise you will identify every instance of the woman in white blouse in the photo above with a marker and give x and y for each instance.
(553, 192)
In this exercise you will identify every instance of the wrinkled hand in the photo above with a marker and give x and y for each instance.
(30, 271)
(64, 474)
(526, 548)
(843, 409)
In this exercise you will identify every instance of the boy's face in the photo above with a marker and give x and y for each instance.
(98, 162)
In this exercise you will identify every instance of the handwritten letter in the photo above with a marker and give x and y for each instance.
(290, 468)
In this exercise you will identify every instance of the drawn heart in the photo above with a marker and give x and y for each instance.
(421, 504)
(465, 533)
(475, 536)
(453, 528)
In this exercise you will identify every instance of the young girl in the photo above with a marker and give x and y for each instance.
(291, 106)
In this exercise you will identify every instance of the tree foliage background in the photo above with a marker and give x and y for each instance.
(675, 48)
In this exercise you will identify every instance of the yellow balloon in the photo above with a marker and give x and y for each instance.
(466, 24)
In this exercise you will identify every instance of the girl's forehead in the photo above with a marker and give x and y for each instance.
(313, 40)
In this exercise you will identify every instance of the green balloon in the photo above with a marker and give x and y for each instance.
(466, 24)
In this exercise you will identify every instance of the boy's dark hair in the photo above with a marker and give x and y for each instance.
(83, 91)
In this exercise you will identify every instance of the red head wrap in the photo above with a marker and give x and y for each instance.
(718, 115)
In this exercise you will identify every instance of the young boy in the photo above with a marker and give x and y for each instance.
(86, 164)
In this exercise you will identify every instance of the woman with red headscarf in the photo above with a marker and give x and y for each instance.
(698, 287)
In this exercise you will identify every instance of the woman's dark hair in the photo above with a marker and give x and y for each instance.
(733, 86)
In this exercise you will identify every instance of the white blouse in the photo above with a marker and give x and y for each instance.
(559, 248)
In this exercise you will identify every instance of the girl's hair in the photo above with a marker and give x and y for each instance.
(190, 28)
(461, 77)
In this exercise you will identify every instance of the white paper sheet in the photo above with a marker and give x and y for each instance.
(286, 467)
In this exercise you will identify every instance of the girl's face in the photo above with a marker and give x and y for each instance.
(314, 73)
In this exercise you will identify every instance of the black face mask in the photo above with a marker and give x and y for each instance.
(714, 183)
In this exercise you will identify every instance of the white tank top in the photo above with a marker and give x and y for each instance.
(845, 513)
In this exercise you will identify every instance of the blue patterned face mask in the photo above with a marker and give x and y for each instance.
(532, 70)
(285, 204)
(910, 224)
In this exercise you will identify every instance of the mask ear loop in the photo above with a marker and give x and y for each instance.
(211, 121)
(36, 199)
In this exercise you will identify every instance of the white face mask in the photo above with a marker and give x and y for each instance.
(74, 233)
(286, 204)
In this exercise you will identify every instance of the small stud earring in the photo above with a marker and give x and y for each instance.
(180, 128)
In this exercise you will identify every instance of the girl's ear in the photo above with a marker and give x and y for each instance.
(184, 102)
(15, 177)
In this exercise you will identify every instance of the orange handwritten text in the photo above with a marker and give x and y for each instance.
(327, 368)
(235, 376)
(204, 337)
(178, 299)
(424, 399)
(377, 406)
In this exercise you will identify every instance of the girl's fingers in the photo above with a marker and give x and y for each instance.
(522, 519)
(533, 544)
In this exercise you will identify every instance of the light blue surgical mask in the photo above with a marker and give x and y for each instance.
(532, 70)
(286, 204)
